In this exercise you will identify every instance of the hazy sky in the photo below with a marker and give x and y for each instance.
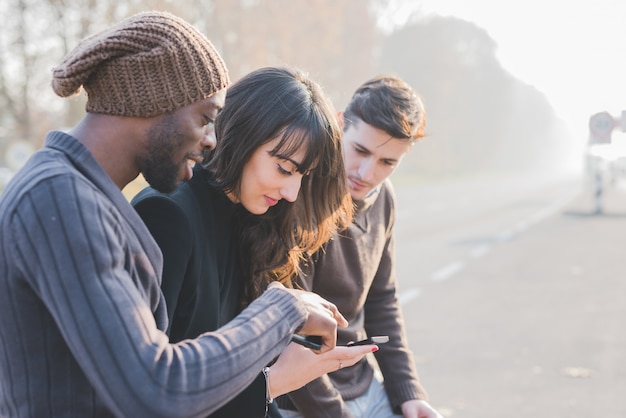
(574, 52)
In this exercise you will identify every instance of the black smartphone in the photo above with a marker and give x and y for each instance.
(381, 339)
(309, 341)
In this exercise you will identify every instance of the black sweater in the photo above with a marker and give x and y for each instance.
(196, 229)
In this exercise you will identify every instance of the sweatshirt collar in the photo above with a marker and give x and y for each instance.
(361, 207)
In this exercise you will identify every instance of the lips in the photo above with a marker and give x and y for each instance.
(270, 201)
(195, 158)
(356, 185)
(191, 159)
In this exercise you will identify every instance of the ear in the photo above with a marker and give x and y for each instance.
(410, 147)
(340, 119)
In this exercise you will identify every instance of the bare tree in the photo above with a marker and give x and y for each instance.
(336, 42)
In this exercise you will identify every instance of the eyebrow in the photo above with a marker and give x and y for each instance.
(212, 106)
(361, 147)
(292, 161)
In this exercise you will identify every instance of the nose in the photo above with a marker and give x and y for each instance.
(367, 170)
(209, 140)
(290, 190)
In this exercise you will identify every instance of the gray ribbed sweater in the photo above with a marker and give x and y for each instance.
(82, 315)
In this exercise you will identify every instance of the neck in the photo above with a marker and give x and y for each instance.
(115, 142)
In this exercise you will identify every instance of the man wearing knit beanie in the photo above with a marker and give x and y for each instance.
(82, 317)
(150, 65)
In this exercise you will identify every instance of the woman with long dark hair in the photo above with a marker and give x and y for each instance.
(271, 193)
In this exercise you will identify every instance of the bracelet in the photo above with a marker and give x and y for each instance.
(268, 397)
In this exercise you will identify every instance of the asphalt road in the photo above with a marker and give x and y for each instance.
(514, 294)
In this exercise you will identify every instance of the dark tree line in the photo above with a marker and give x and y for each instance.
(479, 116)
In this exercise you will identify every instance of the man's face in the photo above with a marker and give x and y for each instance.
(371, 155)
(176, 140)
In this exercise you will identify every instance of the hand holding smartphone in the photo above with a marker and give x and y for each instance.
(313, 342)
(381, 339)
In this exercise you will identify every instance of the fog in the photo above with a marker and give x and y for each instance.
(480, 118)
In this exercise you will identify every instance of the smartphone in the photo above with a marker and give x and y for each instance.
(381, 339)
(313, 342)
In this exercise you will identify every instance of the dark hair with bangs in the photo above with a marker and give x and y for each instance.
(388, 103)
(279, 102)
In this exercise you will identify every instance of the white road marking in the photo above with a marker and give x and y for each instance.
(447, 271)
(480, 251)
(453, 268)
(408, 295)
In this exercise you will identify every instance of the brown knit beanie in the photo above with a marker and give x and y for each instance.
(149, 64)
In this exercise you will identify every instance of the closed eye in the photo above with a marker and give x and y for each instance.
(361, 150)
(283, 171)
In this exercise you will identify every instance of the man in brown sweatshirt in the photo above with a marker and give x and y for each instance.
(356, 271)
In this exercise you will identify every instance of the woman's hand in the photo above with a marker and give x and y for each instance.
(298, 365)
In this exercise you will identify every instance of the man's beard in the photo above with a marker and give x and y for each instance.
(157, 165)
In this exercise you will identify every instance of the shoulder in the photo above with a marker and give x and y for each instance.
(165, 212)
(386, 200)
(149, 198)
(189, 194)
(192, 206)
(47, 182)
(387, 191)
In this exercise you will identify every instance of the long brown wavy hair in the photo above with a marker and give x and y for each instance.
(279, 102)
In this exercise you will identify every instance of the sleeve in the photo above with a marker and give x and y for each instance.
(172, 231)
(319, 399)
(74, 252)
(383, 316)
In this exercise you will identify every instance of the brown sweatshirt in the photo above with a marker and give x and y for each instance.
(356, 272)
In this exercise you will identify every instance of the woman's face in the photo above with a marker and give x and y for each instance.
(267, 179)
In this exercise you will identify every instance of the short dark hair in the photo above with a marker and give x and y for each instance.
(388, 103)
